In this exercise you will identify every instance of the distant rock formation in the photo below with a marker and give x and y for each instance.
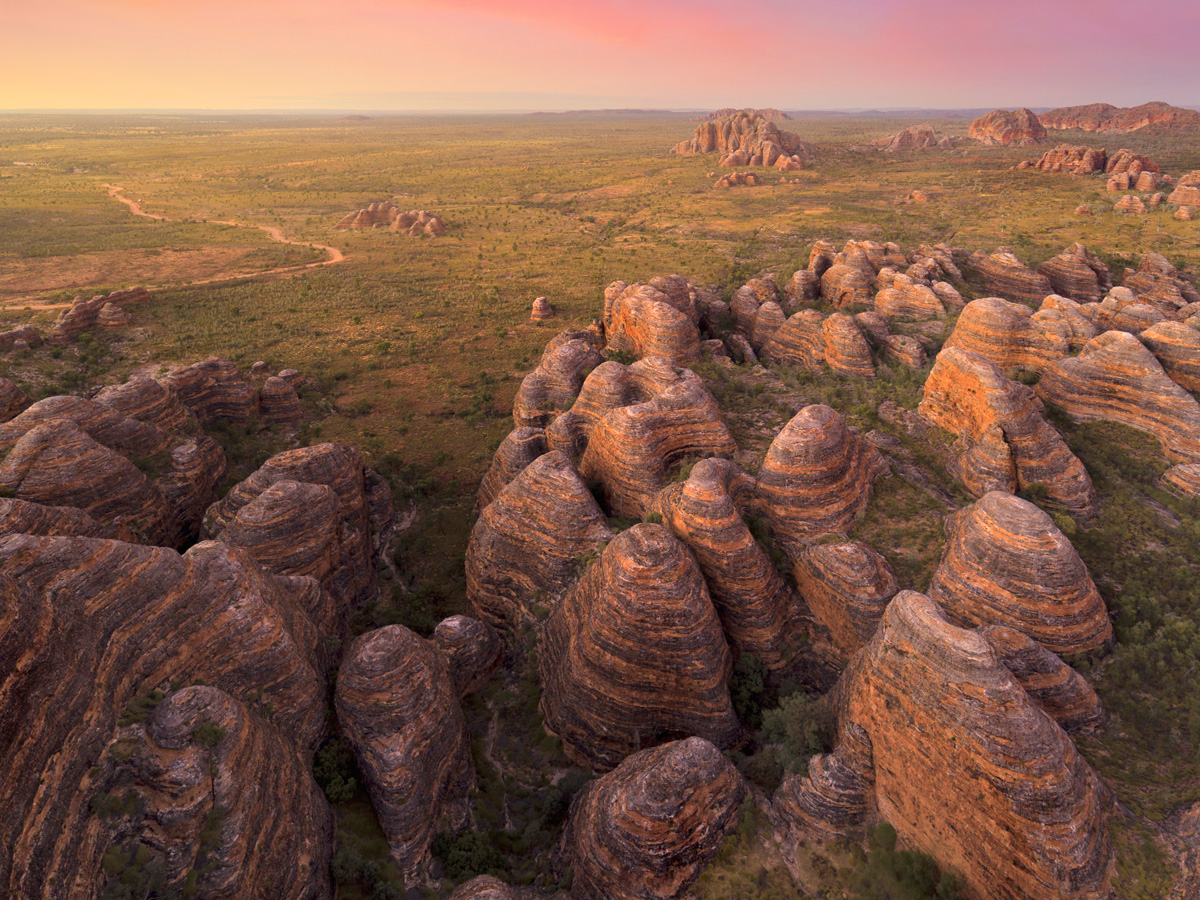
(1006, 563)
(1187, 192)
(541, 310)
(635, 652)
(1002, 127)
(914, 137)
(978, 776)
(738, 179)
(769, 113)
(1116, 378)
(390, 216)
(1075, 160)
(214, 389)
(816, 478)
(1130, 204)
(398, 706)
(645, 830)
(745, 138)
(101, 310)
(1003, 441)
(1107, 119)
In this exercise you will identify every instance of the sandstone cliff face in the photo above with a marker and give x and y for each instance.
(1116, 378)
(816, 477)
(753, 601)
(1108, 119)
(1073, 160)
(847, 585)
(1002, 127)
(967, 767)
(518, 449)
(1006, 563)
(1062, 692)
(1005, 275)
(635, 653)
(645, 830)
(529, 544)
(552, 387)
(1077, 274)
(1177, 348)
(397, 704)
(275, 829)
(131, 618)
(645, 321)
(214, 390)
(1010, 334)
(472, 649)
(1003, 441)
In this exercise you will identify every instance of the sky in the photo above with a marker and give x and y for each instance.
(589, 54)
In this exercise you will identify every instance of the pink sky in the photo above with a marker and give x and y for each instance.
(410, 54)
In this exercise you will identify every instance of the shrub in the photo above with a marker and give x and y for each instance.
(802, 726)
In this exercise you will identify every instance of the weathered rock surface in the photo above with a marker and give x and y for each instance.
(1187, 191)
(398, 706)
(1073, 160)
(12, 401)
(518, 449)
(907, 299)
(529, 544)
(541, 310)
(1130, 204)
(800, 341)
(847, 585)
(84, 315)
(146, 400)
(1183, 479)
(101, 423)
(1128, 163)
(1077, 274)
(553, 386)
(213, 390)
(1116, 378)
(1177, 348)
(388, 215)
(472, 649)
(752, 599)
(816, 477)
(833, 799)
(846, 350)
(27, 334)
(274, 828)
(967, 767)
(843, 286)
(645, 321)
(1004, 443)
(86, 627)
(1002, 127)
(1157, 282)
(743, 138)
(279, 403)
(914, 137)
(1004, 275)
(645, 830)
(1061, 691)
(635, 653)
(1006, 563)
(485, 887)
(1010, 334)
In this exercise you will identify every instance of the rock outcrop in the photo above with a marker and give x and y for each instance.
(398, 706)
(1010, 334)
(485, 887)
(147, 400)
(13, 401)
(1116, 378)
(1077, 274)
(103, 309)
(1073, 160)
(472, 648)
(1003, 443)
(1177, 348)
(745, 138)
(846, 350)
(847, 585)
(1105, 118)
(965, 764)
(816, 477)
(390, 216)
(635, 653)
(541, 310)
(1187, 191)
(553, 386)
(914, 137)
(1002, 127)
(645, 830)
(213, 390)
(645, 321)
(518, 449)
(1004, 275)
(529, 544)
(279, 403)
(1130, 204)
(1006, 563)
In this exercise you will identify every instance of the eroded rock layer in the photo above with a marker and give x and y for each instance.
(1010, 334)
(645, 830)
(847, 585)
(635, 653)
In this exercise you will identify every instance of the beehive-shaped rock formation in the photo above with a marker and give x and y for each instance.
(1116, 378)
(1077, 274)
(214, 389)
(1187, 191)
(1006, 563)
(1004, 275)
(635, 652)
(472, 648)
(751, 597)
(12, 401)
(553, 385)
(279, 403)
(745, 137)
(645, 321)
(84, 314)
(397, 704)
(833, 799)
(1003, 441)
(23, 517)
(390, 216)
(800, 341)
(518, 449)
(645, 830)
(1073, 160)
(846, 350)
(847, 585)
(1177, 348)
(529, 544)
(967, 767)
(146, 400)
(1003, 127)
(816, 477)
(907, 299)
(1009, 334)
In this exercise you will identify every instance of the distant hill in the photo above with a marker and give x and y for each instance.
(1108, 119)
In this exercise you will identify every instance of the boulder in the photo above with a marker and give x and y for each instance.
(645, 830)
(635, 653)
(1006, 563)
(398, 706)
(816, 477)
